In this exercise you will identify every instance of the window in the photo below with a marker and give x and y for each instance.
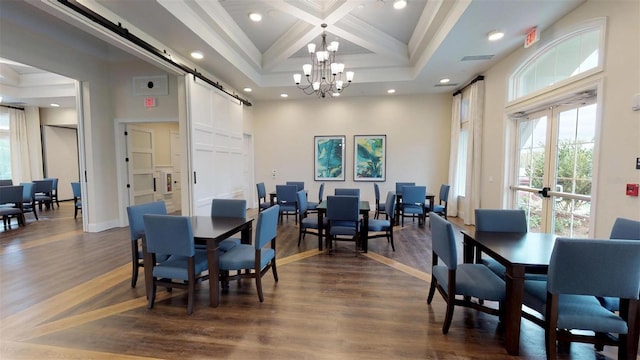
(463, 147)
(5, 148)
(574, 56)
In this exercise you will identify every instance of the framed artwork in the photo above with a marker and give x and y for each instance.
(329, 157)
(369, 157)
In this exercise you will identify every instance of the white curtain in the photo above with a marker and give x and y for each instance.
(18, 140)
(452, 205)
(475, 93)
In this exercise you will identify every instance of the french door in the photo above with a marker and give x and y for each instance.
(140, 165)
(555, 167)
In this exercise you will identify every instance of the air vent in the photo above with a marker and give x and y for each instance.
(476, 57)
(445, 85)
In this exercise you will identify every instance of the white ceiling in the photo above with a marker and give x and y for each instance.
(408, 50)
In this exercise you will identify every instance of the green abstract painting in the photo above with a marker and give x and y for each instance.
(329, 157)
(369, 157)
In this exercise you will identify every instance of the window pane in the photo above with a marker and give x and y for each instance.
(5, 148)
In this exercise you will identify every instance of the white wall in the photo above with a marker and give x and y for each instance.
(417, 130)
(620, 127)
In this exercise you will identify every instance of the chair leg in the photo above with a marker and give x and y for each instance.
(152, 296)
(259, 285)
(432, 291)
(134, 263)
(190, 295)
(274, 270)
(393, 247)
(449, 316)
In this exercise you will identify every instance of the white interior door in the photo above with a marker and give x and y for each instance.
(176, 160)
(555, 168)
(140, 164)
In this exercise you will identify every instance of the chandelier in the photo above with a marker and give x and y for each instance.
(324, 75)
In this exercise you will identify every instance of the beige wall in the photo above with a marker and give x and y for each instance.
(59, 117)
(417, 130)
(620, 126)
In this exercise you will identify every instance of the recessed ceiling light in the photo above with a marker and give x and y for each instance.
(255, 17)
(284, 95)
(399, 4)
(444, 81)
(54, 105)
(391, 91)
(197, 55)
(495, 35)
(247, 89)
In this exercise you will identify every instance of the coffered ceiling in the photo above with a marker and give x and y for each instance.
(408, 50)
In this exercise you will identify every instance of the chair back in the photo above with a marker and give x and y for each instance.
(44, 186)
(262, 190)
(414, 194)
(287, 194)
(298, 184)
(230, 208)
(6, 182)
(75, 187)
(28, 191)
(343, 208)
(54, 183)
(376, 191)
(303, 204)
(625, 229)
(347, 192)
(267, 226)
(444, 193)
(136, 212)
(444, 241)
(169, 234)
(501, 220)
(595, 267)
(321, 193)
(11, 194)
(400, 185)
(390, 205)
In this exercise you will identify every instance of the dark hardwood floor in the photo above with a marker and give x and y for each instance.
(66, 294)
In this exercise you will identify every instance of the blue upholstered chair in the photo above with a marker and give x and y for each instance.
(312, 205)
(458, 283)
(306, 222)
(298, 184)
(343, 219)
(501, 220)
(54, 191)
(288, 200)
(262, 197)
(136, 232)
(412, 205)
(77, 198)
(380, 207)
(173, 236)
(385, 227)
(580, 270)
(11, 204)
(443, 197)
(28, 198)
(255, 259)
(625, 229)
(229, 208)
(347, 192)
(43, 190)
(401, 185)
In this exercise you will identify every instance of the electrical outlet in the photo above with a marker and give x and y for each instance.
(273, 173)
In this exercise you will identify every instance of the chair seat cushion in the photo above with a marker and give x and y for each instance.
(9, 211)
(287, 207)
(312, 205)
(379, 225)
(265, 205)
(473, 280)
(228, 244)
(612, 304)
(381, 207)
(412, 209)
(438, 209)
(176, 266)
(243, 257)
(580, 312)
(311, 222)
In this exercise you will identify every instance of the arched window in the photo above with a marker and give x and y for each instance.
(571, 57)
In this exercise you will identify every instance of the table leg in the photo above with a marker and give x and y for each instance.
(397, 216)
(214, 273)
(365, 232)
(148, 268)
(513, 308)
(320, 228)
(467, 249)
(272, 199)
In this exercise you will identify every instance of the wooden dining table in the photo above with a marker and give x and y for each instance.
(210, 231)
(520, 253)
(364, 209)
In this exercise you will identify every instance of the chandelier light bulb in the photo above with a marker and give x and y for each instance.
(340, 67)
(316, 85)
(339, 84)
(306, 68)
(350, 76)
(311, 48)
(334, 46)
(297, 78)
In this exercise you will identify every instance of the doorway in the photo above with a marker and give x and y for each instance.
(554, 170)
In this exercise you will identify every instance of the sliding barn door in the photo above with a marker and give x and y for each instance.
(216, 145)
